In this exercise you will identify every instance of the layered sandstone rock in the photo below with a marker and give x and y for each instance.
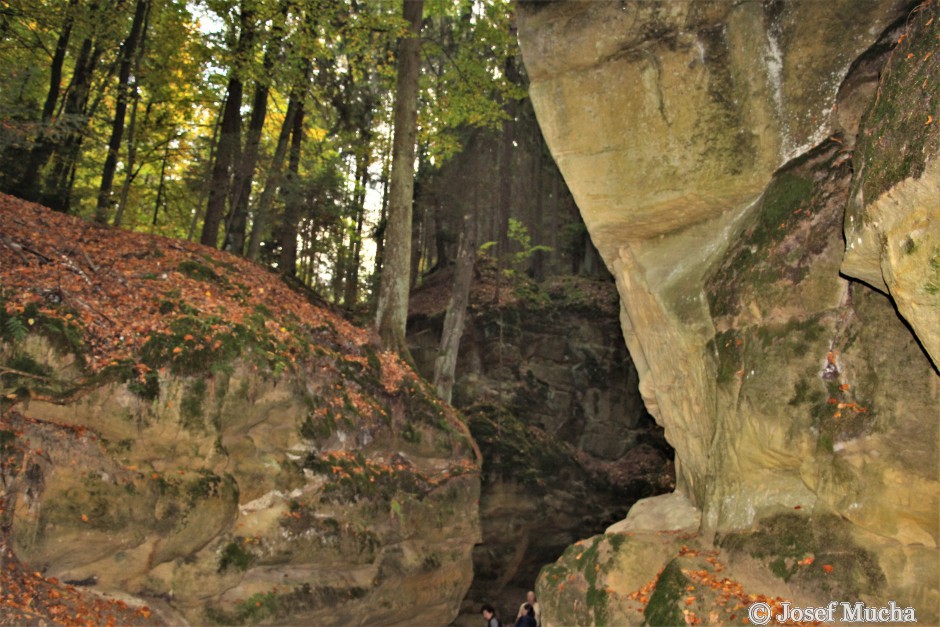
(694, 138)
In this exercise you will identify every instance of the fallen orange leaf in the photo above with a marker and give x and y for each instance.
(827, 568)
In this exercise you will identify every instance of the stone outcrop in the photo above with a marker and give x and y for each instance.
(711, 148)
(237, 455)
(892, 220)
(236, 513)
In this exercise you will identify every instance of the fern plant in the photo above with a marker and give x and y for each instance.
(14, 329)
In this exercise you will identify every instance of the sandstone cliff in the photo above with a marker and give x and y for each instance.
(192, 433)
(714, 151)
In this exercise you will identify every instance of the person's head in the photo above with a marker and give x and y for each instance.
(530, 597)
(488, 612)
(529, 610)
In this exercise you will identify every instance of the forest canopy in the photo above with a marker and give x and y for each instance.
(262, 127)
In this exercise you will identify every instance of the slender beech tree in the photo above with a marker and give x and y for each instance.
(128, 52)
(75, 111)
(229, 145)
(237, 223)
(273, 182)
(392, 310)
(287, 262)
(446, 363)
(351, 294)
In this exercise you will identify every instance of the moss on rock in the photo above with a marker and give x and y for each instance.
(663, 608)
(816, 553)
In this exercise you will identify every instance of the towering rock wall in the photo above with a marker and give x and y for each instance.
(711, 148)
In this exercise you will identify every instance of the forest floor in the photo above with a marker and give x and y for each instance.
(122, 288)
(29, 598)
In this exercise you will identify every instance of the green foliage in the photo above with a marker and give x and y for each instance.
(340, 55)
(514, 452)
(235, 556)
(470, 48)
(201, 272)
(13, 328)
(60, 330)
(257, 607)
(519, 234)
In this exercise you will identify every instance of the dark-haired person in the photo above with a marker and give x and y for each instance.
(530, 600)
(528, 617)
(489, 615)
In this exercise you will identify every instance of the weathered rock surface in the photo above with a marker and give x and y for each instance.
(241, 465)
(692, 136)
(892, 221)
(666, 512)
(551, 398)
(360, 524)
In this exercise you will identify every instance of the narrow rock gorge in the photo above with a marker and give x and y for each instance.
(762, 181)
(543, 376)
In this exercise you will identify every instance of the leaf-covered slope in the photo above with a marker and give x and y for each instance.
(125, 289)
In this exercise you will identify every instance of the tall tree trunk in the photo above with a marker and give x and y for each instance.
(263, 209)
(161, 188)
(42, 150)
(392, 312)
(287, 263)
(245, 173)
(380, 228)
(129, 172)
(225, 155)
(446, 363)
(75, 114)
(58, 59)
(204, 192)
(352, 271)
(341, 259)
(229, 144)
(128, 52)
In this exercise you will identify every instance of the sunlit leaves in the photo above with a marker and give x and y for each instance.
(468, 47)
